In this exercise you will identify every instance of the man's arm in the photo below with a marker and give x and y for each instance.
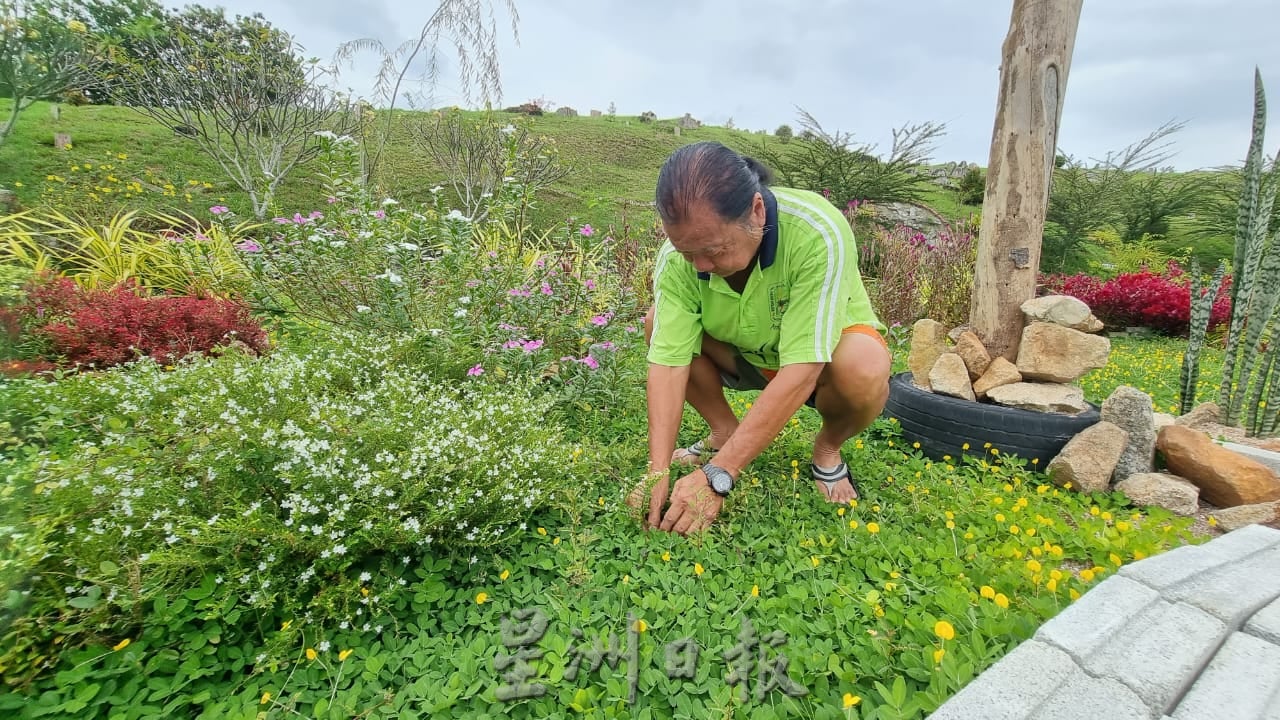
(665, 391)
(777, 403)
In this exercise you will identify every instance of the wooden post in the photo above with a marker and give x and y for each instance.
(1033, 82)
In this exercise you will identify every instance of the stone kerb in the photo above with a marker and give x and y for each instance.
(1191, 633)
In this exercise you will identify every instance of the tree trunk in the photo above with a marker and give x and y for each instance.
(1033, 82)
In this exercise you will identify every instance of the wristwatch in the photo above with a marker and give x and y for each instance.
(720, 480)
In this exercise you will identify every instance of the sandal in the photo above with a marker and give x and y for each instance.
(697, 453)
(833, 478)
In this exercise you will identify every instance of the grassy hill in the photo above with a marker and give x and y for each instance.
(612, 160)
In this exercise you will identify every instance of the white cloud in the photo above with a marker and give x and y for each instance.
(860, 67)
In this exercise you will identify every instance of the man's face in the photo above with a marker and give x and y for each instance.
(714, 245)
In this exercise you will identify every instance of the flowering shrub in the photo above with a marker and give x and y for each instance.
(1161, 301)
(284, 486)
(909, 275)
(102, 328)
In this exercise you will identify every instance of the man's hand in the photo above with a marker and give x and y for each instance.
(654, 488)
(693, 505)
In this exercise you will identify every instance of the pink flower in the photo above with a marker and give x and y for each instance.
(476, 371)
(219, 209)
(600, 320)
(510, 344)
(532, 345)
(590, 362)
(546, 289)
(473, 283)
(316, 215)
(607, 345)
(591, 284)
(281, 220)
(379, 214)
(519, 292)
(631, 328)
(587, 231)
(249, 246)
(331, 199)
(298, 219)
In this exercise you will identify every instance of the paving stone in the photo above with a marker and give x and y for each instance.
(1086, 698)
(1238, 683)
(1013, 687)
(1236, 591)
(1158, 653)
(1169, 568)
(1088, 623)
(1264, 624)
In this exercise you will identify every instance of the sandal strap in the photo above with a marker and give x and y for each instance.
(833, 477)
(699, 448)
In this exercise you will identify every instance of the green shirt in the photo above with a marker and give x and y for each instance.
(803, 290)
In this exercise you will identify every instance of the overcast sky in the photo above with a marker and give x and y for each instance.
(858, 66)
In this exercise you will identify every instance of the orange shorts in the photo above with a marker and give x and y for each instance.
(859, 329)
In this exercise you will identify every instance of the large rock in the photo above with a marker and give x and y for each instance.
(1167, 491)
(1225, 478)
(1237, 517)
(999, 372)
(1162, 419)
(970, 349)
(1053, 353)
(1270, 458)
(1061, 310)
(1041, 397)
(1130, 408)
(1201, 417)
(928, 341)
(949, 377)
(1089, 459)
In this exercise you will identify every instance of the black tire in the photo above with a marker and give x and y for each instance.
(942, 424)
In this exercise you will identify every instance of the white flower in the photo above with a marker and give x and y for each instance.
(327, 134)
(464, 299)
(365, 577)
(323, 646)
(410, 246)
(508, 129)
(435, 332)
(363, 309)
(461, 312)
(508, 179)
(436, 189)
(390, 201)
(456, 214)
(486, 195)
(338, 243)
(390, 276)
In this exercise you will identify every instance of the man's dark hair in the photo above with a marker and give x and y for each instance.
(712, 173)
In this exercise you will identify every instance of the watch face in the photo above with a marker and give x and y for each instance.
(722, 483)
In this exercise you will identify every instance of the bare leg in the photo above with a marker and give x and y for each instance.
(851, 392)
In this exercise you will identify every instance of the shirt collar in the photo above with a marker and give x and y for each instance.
(768, 250)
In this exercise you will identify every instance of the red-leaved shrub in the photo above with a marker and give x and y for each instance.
(1160, 301)
(101, 328)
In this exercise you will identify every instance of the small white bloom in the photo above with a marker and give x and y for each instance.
(508, 129)
(327, 134)
(460, 313)
(363, 309)
(338, 243)
(464, 299)
(456, 214)
(410, 247)
(365, 577)
(436, 189)
(390, 201)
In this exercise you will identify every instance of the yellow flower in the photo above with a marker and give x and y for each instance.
(556, 541)
(853, 524)
(76, 26)
(1213, 521)
(1138, 554)
(951, 524)
(364, 591)
(965, 446)
(1094, 511)
(1014, 529)
(285, 625)
(697, 569)
(641, 625)
(266, 698)
(542, 531)
(999, 517)
(997, 501)
(1001, 600)
(504, 575)
(851, 700)
(937, 655)
(840, 512)
(1075, 595)
(943, 629)
(666, 557)
(755, 591)
(1031, 532)
(1106, 516)
(342, 656)
(481, 598)
(950, 515)
(1115, 560)
(987, 592)
(814, 559)
(311, 654)
(873, 528)
(121, 645)
(626, 579)
(1123, 526)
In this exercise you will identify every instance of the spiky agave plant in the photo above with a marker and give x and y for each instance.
(1250, 355)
